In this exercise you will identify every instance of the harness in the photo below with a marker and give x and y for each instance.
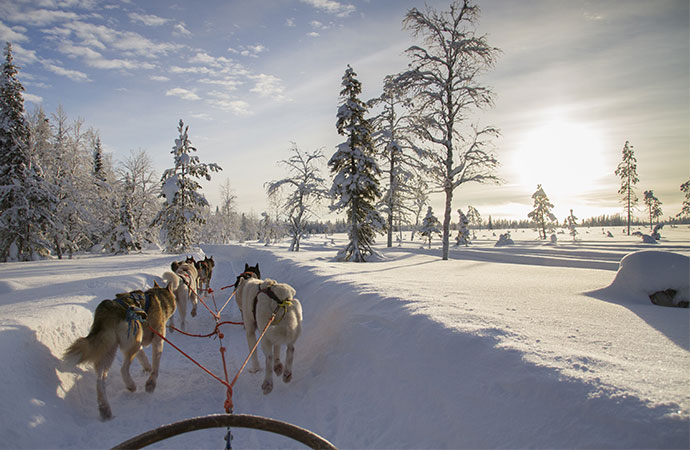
(284, 304)
(136, 312)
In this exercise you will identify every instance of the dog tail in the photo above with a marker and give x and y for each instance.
(102, 337)
(173, 281)
(79, 352)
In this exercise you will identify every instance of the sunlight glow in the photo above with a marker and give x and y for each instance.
(566, 158)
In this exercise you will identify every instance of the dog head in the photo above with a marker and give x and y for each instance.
(249, 272)
(253, 269)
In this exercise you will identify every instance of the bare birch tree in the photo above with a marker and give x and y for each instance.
(307, 188)
(444, 74)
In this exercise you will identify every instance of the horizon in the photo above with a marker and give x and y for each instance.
(574, 82)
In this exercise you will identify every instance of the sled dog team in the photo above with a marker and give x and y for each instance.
(129, 322)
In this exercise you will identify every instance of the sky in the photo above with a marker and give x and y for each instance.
(574, 81)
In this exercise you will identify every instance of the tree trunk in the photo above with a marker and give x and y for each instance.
(446, 222)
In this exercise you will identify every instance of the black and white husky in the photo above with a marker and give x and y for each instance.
(260, 299)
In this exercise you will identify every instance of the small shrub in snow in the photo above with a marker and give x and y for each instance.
(504, 240)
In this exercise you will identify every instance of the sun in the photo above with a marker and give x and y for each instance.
(566, 158)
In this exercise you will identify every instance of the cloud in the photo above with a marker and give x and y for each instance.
(184, 94)
(332, 7)
(38, 17)
(229, 83)
(73, 75)
(7, 34)
(249, 50)
(237, 107)
(268, 86)
(180, 30)
(102, 37)
(32, 98)
(159, 78)
(290, 22)
(94, 59)
(313, 34)
(148, 19)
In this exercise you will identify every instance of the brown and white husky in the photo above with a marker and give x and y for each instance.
(124, 323)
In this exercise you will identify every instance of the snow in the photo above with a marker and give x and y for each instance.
(529, 345)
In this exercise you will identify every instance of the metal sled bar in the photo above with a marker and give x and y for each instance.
(294, 432)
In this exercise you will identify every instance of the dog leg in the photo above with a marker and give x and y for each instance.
(182, 307)
(143, 360)
(289, 356)
(102, 367)
(277, 365)
(156, 352)
(124, 371)
(251, 342)
(130, 347)
(267, 385)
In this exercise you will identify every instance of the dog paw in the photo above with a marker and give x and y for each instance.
(131, 387)
(278, 369)
(105, 412)
(287, 376)
(254, 369)
(150, 386)
(194, 313)
(267, 386)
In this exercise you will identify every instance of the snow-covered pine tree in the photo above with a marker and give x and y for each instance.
(444, 76)
(627, 172)
(355, 188)
(430, 226)
(541, 214)
(571, 222)
(182, 211)
(685, 209)
(653, 206)
(474, 217)
(391, 137)
(25, 200)
(463, 237)
(306, 189)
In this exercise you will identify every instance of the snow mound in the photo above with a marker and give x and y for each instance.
(643, 273)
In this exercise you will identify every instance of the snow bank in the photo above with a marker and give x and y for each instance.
(645, 272)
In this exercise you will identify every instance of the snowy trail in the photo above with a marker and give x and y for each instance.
(408, 352)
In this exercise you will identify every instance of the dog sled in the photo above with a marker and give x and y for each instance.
(299, 434)
(230, 420)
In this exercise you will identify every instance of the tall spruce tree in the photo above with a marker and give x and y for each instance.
(355, 188)
(627, 172)
(182, 212)
(25, 200)
(541, 214)
(653, 207)
(685, 208)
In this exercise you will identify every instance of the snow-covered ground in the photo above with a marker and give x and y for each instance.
(519, 346)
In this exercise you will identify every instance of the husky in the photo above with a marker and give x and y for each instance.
(260, 300)
(205, 269)
(187, 291)
(123, 323)
(249, 272)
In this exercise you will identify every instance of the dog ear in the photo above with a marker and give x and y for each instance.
(155, 284)
(246, 267)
